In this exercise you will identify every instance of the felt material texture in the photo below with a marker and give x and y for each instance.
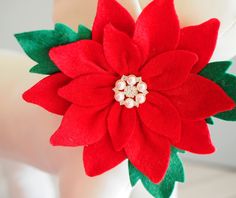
(105, 157)
(167, 58)
(200, 39)
(217, 72)
(38, 43)
(164, 189)
(44, 94)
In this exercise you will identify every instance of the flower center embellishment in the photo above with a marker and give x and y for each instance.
(130, 91)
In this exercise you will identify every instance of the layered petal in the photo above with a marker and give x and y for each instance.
(149, 153)
(122, 54)
(81, 126)
(79, 58)
(160, 116)
(121, 125)
(110, 11)
(157, 28)
(200, 39)
(199, 98)
(195, 138)
(168, 70)
(44, 94)
(90, 90)
(101, 157)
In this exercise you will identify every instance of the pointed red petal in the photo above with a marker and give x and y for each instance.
(101, 157)
(157, 28)
(121, 125)
(200, 39)
(199, 98)
(121, 52)
(81, 126)
(110, 11)
(149, 153)
(44, 94)
(195, 138)
(90, 90)
(168, 70)
(79, 58)
(160, 116)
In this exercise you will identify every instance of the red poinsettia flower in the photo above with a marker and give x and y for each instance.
(133, 91)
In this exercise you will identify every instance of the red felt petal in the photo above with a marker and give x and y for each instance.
(101, 157)
(120, 51)
(81, 126)
(157, 28)
(168, 70)
(44, 94)
(159, 115)
(195, 138)
(199, 98)
(149, 153)
(78, 58)
(121, 125)
(110, 11)
(200, 39)
(90, 90)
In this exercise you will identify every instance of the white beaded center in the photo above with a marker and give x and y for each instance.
(130, 91)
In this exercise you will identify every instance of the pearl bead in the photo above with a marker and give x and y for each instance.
(120, 85)
(131, 80)
(129, 103)
(142, 86)
(140, 98)
(119, 96)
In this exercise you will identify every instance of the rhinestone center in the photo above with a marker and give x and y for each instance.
(130, 91)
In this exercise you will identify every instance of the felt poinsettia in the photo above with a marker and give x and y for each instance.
(133, 90)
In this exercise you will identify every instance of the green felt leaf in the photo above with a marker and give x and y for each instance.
(164, 189)
(216, 72)
(84, 32)
(37, 44)
(210, 121)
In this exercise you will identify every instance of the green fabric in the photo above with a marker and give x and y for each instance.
(164, 189)
(216, 72)
(210, 121)
(37, 44)
(84, 33)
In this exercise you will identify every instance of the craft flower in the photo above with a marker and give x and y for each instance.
(133, 91)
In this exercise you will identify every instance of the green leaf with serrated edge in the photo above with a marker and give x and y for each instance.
(164, 189)
(37, 44)
(84, 32)
(210, 121)
(216, 72)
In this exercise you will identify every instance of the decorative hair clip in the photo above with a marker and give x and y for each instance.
(142, 91)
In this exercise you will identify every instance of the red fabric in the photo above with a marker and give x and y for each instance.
(109, 11)
(104, 159)
(199, 98)
(44, 94)
(121, 52)
(81, 127)
(149, 153)
(82, 57)
(157, 113)
(195, 138)
(177, 103)
(121, 118)
(161, 71)
(90, 90)
(200, 39)
(157, 28)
